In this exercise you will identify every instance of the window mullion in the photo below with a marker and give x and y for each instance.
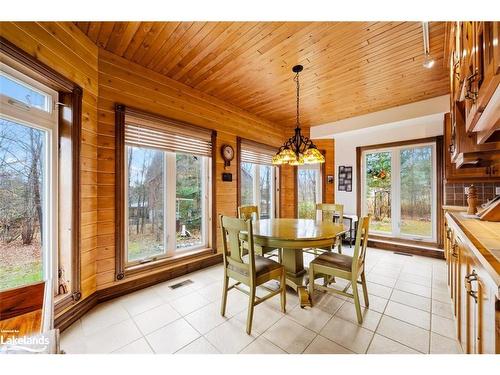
(170, 206)
(256, 187)
(395, 193)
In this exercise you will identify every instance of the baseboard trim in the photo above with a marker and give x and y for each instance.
(426, 251)
(75, 312)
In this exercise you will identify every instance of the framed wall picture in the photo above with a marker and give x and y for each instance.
(345, 178)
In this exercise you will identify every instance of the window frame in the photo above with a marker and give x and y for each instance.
(276, 178)
(69, 109)
(438, 198)
(47, 122)
(396, 218)
(122, 267)
(169, 210)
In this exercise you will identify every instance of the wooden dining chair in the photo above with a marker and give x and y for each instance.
(329, 265)
(251, 270)
(252, 213)
(333, 213)
(248, 212)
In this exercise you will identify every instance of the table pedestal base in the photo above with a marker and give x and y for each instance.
(296, 275)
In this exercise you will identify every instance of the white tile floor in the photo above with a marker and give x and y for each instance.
(410, 312)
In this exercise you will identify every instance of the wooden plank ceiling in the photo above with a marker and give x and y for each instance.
(350, 68)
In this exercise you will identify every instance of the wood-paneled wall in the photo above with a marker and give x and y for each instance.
(133, 85)
(63, 47)
(328, 146)
(107, 79)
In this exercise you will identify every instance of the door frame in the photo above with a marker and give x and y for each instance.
(439, 225)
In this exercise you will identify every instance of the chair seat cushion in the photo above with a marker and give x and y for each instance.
(262, 266)
(334, 260)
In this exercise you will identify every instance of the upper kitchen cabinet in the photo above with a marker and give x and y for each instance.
(475, 75)
(474, 62)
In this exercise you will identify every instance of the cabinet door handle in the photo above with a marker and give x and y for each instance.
(468, 284)
(471, 95)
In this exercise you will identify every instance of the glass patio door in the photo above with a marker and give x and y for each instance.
(399, 190)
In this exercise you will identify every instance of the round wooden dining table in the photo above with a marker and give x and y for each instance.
(293, 236)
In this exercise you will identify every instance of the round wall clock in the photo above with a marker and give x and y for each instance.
(227, 154)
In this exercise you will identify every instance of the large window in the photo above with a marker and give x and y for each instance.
(258, 187)
(150, 211)
(258, 178)
(146, 203)
(399, 190)
(167, 189)
(28, 179)
(309, 190)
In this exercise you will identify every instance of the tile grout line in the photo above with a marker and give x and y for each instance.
(334, 315)
(381, 316)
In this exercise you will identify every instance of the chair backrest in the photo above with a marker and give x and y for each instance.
(231, 228)
(359, 254)
(248, 212)
(329, 210)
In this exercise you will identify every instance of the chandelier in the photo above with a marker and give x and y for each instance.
(298, 149)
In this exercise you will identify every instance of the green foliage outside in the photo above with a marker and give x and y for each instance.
(307, 210)
(415, 190)
(188, 191)
(18, 275)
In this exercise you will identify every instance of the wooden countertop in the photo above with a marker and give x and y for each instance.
(484, 240)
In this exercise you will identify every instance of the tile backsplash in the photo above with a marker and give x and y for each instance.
(454, 194)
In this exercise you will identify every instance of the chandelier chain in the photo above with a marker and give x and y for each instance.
(296, 79)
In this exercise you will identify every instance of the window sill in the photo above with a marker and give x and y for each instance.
(176, 259)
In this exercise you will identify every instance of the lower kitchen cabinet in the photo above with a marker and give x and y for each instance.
(474, 283)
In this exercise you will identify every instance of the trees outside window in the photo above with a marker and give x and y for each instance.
(22, 210)
(378, 190)
(308, 190)
(167, 202)
(28, 165)
(258, 187)
(145, 203)
(399, 190)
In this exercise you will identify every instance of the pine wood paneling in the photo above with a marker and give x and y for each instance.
(133, 85)
(351, 68)
(63, 47)
(328, 146)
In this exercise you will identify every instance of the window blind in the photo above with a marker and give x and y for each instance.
(147, 130)
(256, 153)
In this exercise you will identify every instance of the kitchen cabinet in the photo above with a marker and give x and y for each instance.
(473, 270)
(474, 51)
(457, 139)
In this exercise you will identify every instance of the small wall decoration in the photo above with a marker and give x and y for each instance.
(345, 178)
(329, 179)
(227, 152)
